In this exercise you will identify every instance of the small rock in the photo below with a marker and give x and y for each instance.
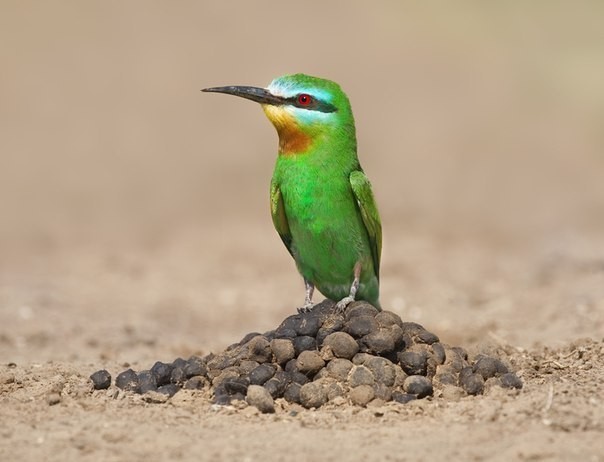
(162, 372)
(438, 352)
(313, 394)
(284, 332)
(309, 362)
(259, 349)
(248, 337)
(402, 398)
(360, 375)
(146, 382)
(446, 375)
(262, 373)
(127, 381)
(246, 366)
(360, 326)
(304, 343)
(382, 392)
(413, 363)
(360, 308)
(510, 380)
(308, 324)
(178, 375)
(379, 342)
(260, 398)
(382, 369)
(235, 385)
(489, 367)
(195, 366)
(472, 383)
(195, 383)
(292, 393)
(418, 385)
(299, 377)
(169, 390)
(362, 394)
(334, 390)
(360, 358)
(277, 385)
(283, 349)
(101, 380)
(342, 345)
(388, 318)
(339, 368)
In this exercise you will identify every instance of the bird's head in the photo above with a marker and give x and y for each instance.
(305, 110)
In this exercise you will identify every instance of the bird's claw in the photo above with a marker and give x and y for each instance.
(342, 304)
(306, 308)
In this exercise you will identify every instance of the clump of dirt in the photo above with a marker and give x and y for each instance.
(358, 356)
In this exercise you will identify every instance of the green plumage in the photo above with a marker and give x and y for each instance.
(322, 205)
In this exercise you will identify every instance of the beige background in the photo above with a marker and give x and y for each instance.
(134, 221)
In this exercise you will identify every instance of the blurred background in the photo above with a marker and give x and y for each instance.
(134, 216)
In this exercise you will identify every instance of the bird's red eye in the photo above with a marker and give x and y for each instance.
(304, 99)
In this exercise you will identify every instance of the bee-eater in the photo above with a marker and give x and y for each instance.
(321, 201)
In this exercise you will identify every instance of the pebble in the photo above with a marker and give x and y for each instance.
(510, 380)
(277, 385)
(146, 382)
(489, 367)
(382, 369)
(413, 363)
(262, 373)
(162, 372)
(342, 345)
(307, 324)
(283, 349)
(360, 326)
(292, 393)
(362, 395)
(169, 390)
(418, 385)
(303, 343)
(388, 318)
(473, 384)
(260, 398)
(379, 342)
(259, 349)
(127, 381)
(313, 394)
(360, 375)
(309, 362)
(438, 352)
(339, 368)
(101, 380)
(195, 366)
(195, 383)
(360, 308)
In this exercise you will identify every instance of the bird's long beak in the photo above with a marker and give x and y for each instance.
(259, 95)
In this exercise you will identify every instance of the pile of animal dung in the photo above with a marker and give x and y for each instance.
(323, 355)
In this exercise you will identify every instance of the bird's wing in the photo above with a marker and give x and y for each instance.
(279, 217)
(371, 218)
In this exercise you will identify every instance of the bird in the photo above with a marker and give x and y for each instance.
(321, 201)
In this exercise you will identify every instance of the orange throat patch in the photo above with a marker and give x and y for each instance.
(292, 140)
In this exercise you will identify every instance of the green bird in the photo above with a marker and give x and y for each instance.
(321, 200)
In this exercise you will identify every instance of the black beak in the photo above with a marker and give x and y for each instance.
(260, 95)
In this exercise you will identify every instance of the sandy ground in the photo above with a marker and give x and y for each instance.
(135, 225)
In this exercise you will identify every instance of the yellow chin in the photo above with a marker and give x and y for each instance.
(292, 140)
(278, 115)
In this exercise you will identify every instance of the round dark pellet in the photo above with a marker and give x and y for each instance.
(292, 393)
(262, 373)
(360, 326)
(162, 372)
(413, 362)
(342, 345)
(146, 381)
(127, 381)
(303, 343)
(418, 385)
(101, 380)
(195, 383)
(510, 380)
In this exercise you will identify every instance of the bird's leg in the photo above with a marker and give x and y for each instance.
(342, 304)
(308, 304)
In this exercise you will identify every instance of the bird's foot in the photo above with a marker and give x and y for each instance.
(306, 308)
(342, 304)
